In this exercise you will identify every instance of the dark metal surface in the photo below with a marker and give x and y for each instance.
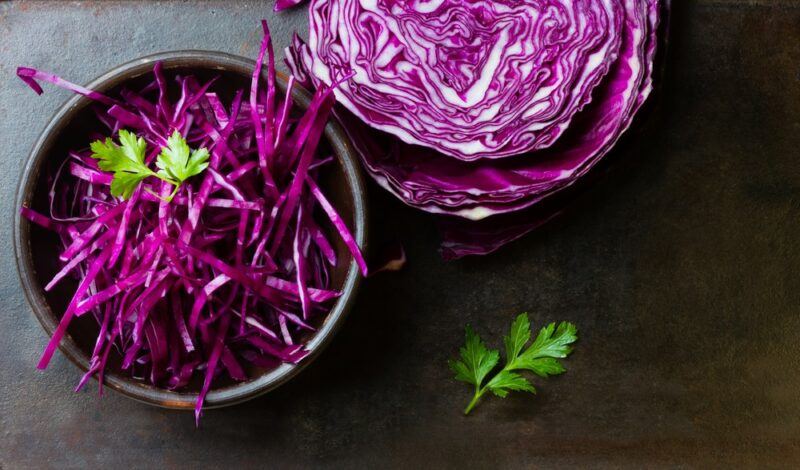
(681, 272)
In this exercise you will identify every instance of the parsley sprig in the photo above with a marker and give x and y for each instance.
(540, 357)
(176, 163)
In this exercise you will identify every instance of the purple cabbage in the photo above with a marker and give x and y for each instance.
(569, 79)
(234, 268)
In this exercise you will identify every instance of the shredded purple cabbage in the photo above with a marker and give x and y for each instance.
(234, 268)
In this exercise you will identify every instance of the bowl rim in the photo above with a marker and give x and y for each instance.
(34, 293)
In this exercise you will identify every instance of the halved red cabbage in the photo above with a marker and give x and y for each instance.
(426, 176)
(475, 190)
(427, 179)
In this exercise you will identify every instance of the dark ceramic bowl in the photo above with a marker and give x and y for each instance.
(37, 249)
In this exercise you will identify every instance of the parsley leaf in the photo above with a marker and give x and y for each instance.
(506, 380)
(125, 183)
(176, 163)
(476, 361)
(541, 357)
(520, 334)
(550, 344)
(126, 162)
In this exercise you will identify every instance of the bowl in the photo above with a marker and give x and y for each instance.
(36, 249)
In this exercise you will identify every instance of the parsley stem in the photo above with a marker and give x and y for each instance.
(479, 391)
(171, 196)
(475, 398)
(174, 191)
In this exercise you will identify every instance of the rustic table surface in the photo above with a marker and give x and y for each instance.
(681, 272)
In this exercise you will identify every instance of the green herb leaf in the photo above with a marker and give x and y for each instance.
(125, 183)
(550, 343)
(506, 381)
(177, 162)
(541, 358)
(126, 162)
(519, 336)
(476, 361)
(542, 366)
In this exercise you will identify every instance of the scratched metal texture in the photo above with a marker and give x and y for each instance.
(680, 270)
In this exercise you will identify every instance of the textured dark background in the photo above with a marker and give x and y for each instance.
(680, 270)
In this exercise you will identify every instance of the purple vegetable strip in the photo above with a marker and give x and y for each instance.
(255, 117)
(212, 365)
(300, 254)
(281, 5)
(200, 300)
(259, 327)
(219, 110)
(309, 147)
(239, 172)
(29, 76)
(129, 282)
(283, 118)
(180, 323)
(296, 320)
(164, 108)
(38, 218)
(224, 183)
(340, 226)
(317, 295)
(123, 226)
(292, 353)
(323, 244)
(232, 365)
(156, 344)
(90, 232)
(91, 175)
(77, 259)
(125, 117)
(287, 336)
(140, 103)
(269, 112)
(61, 329)
(151, 296)
(94, 363)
